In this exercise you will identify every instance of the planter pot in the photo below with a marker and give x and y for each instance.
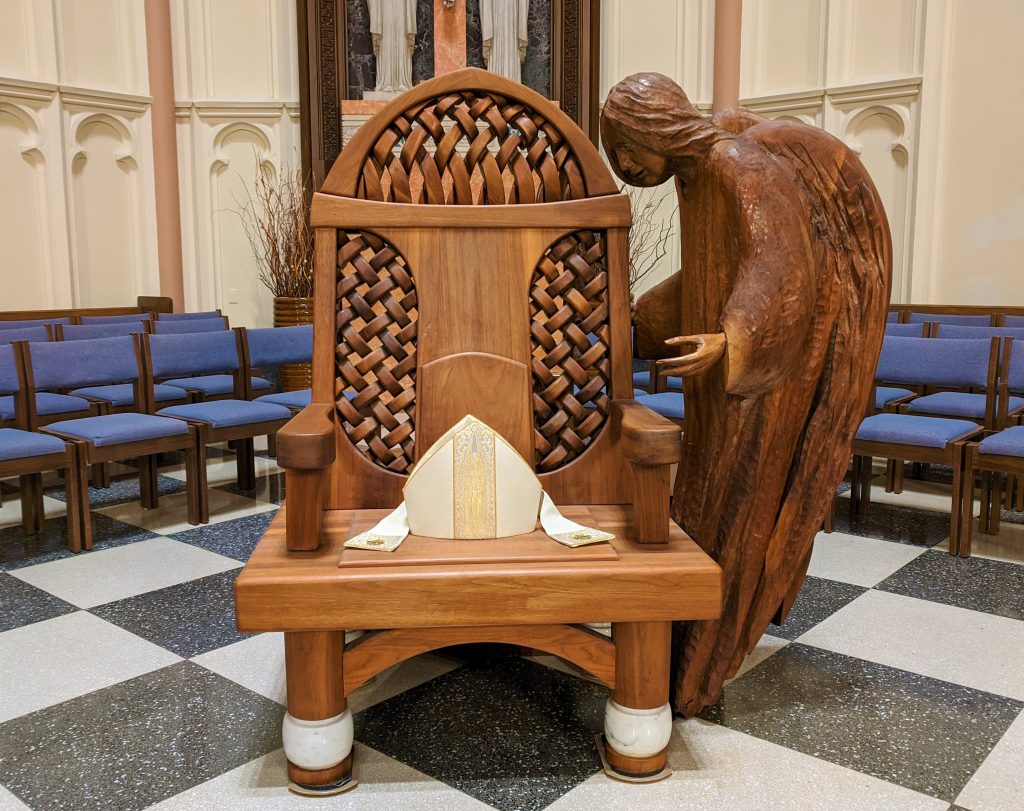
(290, 312)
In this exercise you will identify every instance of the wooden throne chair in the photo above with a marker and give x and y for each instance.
(471, 258)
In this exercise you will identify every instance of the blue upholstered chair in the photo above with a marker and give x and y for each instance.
(173, 361)
(114, 319)
(908, 330)
(949, 318)
(38, 322)
(186, 327)
(270, 348)
(997, 455)
(40, 333)
(112, 437)
(954, 363)
(978, 333)
(188, 316)
(893, 317)
(1013, 321)
(46, 406)
(661, 382)
(28, 455)
(86, 332)
(226, 420)
(667, 403)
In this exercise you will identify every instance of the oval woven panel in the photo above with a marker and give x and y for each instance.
(471, 148)
(376, 349)
(571, 356)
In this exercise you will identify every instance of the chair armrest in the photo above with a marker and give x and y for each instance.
(307, 441)
(646, 438)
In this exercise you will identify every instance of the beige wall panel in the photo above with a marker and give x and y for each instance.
(881, 37)
(241, 154)
(22, 227)
(101, 43)
(104, 219)
(783, 46)
(15, 34)
(240, 49)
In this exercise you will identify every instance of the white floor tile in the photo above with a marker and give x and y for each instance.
(10, 512)
(765, 647)
(860, 561)
(94, 578)
(49, 662)
(999, 784)
(8, 802)
(942, 641)
(718, 768)
(384, 784)
(171, 515)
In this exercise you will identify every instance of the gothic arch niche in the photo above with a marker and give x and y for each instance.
(106, 218)
(877, 134)
(23, 201)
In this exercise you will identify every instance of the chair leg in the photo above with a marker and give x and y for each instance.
(956, 511)
(101, 474)
(996, 504)
(31, 487)
(967, 508)
(202, 492)
(147, 482)
(866, 463)
(317, 729)
(79, 478)
(245, 459)
(890, 476)
(196, 498)
(272, 445)
(637, 717)
(1018, 502)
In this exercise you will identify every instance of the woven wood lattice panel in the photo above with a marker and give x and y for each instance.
(376, 349)
(571, 353)
(471, 148)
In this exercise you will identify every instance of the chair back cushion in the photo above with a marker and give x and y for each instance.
(193, 354)
(113, 319)
(905, 330)
(948, 318)
(85, 332)
(959, 331)
(74, 364)
(38, 322)
(928, 362)
(189, 316)
(1014, 321)
(273, 346)
(8, 371)
(185, 327)
(9, 336)
(1015, 371)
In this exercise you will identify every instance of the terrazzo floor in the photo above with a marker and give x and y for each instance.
(896, 683)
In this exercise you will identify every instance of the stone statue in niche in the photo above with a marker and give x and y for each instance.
(503, 28)
(393, 29)
(781, 300)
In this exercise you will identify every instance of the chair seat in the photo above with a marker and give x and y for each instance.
(289, 399)
(115, 429)
(643, 379)
(907, 429)
(887, 394)
(213, 385)
(957, 404)
(123, 394)
(667, 403)
(1006, 443)
(229, 413)
(281, 591)
(16, 444)
(47, 405)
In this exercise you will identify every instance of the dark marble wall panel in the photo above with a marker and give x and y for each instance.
(537, 67)
(362, 68)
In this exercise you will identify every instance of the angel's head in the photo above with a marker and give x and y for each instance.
(650, 129)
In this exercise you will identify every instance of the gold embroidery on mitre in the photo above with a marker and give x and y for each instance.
(475, 490)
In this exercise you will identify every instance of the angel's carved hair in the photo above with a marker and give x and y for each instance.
(652, 111)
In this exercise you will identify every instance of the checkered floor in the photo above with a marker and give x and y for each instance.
(897, 683)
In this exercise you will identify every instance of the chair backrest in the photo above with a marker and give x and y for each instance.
(73, 364)
(949, 318)
(85, 332)
(114, 319)
(188, 355)
(9, 336)
(892, 317)
(1013, 364)
(188, 316)
(39, 322)
(273, 346)
(218, 324)
(9, 383)
(1013, 321)
(908, 330)
(956, 331)
(471, 258)
(952, 363)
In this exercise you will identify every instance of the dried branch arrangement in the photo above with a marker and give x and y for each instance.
(649, 236)
(275, 216)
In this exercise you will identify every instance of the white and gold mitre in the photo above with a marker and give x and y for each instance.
(472, 484)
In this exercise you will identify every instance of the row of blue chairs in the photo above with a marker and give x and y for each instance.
(76, 404)
(992, 319)
(75, 320)
(84, 332)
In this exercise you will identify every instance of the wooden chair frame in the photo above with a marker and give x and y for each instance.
(472, 357)
(29, 469)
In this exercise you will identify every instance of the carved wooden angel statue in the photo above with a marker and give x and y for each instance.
(781, 295)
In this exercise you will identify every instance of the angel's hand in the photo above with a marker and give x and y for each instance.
(709, 349)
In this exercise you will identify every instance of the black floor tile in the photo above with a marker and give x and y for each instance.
(511, 733)
(268, 488)
(123, 489)
(891, 523)
(234, 539)
(18, 549)
(818, 600)
(918, 732)
(22, 604)
(186, 619)
(985, 585)
(136, 743)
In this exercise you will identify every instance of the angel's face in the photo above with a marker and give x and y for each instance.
(639, 166)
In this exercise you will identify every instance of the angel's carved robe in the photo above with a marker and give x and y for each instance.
(786, 249)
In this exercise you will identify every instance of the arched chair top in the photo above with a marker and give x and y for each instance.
(470, 138)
